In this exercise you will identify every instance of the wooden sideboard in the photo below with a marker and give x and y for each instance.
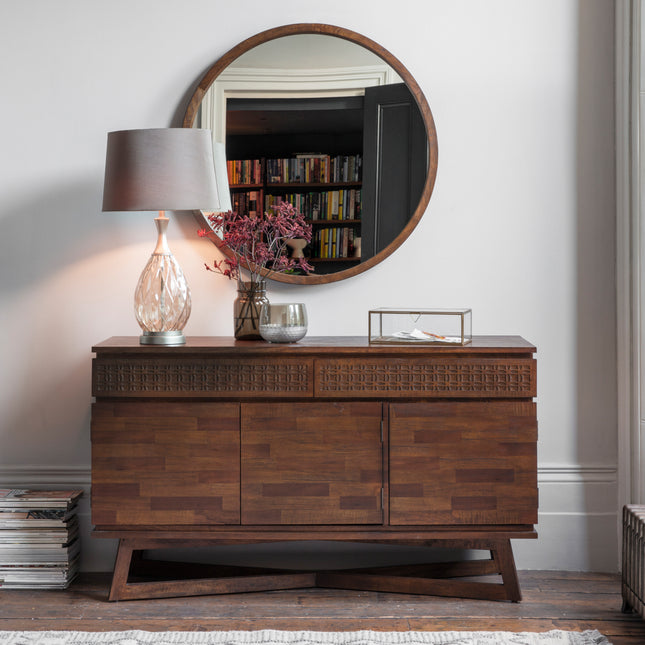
(228, 442)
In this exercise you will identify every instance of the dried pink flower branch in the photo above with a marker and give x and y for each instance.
(259, 244)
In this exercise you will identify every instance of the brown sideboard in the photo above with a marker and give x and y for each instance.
(230, 442)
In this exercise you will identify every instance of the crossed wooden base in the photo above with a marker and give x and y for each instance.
(138, 577)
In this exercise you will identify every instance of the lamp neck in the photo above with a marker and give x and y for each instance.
(161, 222)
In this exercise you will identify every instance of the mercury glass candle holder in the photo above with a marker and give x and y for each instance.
(283, 322)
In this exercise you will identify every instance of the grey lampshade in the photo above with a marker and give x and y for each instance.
(160, 169)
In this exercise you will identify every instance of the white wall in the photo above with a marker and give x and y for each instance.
(520, 226)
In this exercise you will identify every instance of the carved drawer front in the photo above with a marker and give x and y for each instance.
(162, 463)
(312, 463)
(136, 376)
(443, 377)
(463, 463)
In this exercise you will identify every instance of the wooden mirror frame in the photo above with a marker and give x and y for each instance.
(329, 30)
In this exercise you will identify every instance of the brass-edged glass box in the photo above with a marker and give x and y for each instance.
(391, 325)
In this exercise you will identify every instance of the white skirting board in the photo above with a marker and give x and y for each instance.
(578, 529)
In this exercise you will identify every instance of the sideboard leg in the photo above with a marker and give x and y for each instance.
(121, 570)
(502, 553)
(435, 579)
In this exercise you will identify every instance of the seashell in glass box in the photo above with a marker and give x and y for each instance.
(403, 326)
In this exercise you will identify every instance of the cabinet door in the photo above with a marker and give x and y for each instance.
(312, 463)
(160, 463)
(463, 463)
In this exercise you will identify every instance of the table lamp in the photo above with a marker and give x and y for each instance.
(157, 170)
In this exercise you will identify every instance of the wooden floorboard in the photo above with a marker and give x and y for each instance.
(551, 600)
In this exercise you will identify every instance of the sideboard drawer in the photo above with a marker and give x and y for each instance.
(179, 376)
(443, 377)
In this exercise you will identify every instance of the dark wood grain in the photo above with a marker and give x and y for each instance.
(312, 463)
(165, 463)
(425, 376)
(316, 345)
(223, 442)
(229, 580)
(490, 367)
(463, 463)
(443, 579)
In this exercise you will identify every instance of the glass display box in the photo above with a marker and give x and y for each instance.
(394, 326)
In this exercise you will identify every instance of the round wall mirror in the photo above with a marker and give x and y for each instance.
(328, 120)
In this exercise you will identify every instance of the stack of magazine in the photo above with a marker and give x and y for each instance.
(39, 541)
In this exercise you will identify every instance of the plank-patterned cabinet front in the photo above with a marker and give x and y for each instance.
(312, 463)
(471, 462)
(159, 463)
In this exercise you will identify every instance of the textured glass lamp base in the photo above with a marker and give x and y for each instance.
(162, 297)
(162, 338)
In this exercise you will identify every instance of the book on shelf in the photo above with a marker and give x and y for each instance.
(314, 169)
(337, 242)
(246, 203)
(244, 171)
(253, 203)
(335, 202)
(342, 204)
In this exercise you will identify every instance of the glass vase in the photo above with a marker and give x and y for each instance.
(246, 309)
(283, 322)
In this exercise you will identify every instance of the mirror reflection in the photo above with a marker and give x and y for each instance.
(327, 125)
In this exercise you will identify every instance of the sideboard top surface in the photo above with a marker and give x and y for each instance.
(314, 344)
